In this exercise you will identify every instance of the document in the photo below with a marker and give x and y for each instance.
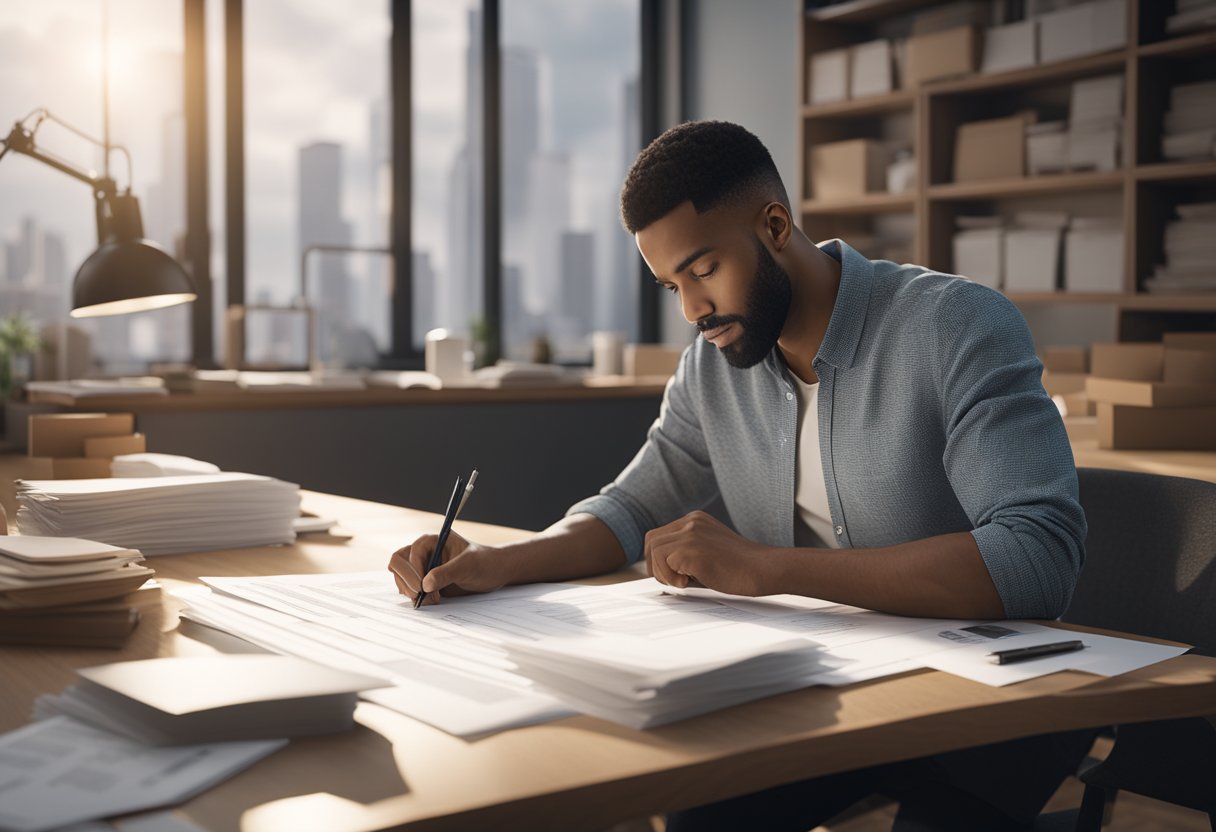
(61, 771)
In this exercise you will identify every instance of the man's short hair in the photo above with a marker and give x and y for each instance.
(705, 162)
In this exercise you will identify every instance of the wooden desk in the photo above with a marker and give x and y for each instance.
(1083, 435)
(581, 773)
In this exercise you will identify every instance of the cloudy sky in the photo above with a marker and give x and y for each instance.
(314, 71)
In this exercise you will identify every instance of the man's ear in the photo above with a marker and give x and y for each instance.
(778, 225)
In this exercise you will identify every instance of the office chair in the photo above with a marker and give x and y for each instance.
(1150, 569)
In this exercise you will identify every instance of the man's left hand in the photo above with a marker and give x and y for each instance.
(699, 548)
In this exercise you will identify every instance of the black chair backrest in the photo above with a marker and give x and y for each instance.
(1150, 557)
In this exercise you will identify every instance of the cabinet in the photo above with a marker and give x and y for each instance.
(1140, 195)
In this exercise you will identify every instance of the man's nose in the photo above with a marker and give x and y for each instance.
(694, 304)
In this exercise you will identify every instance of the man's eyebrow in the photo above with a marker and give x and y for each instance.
(692, 258)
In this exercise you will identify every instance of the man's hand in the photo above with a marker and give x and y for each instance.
(698, 547)
(466, 568)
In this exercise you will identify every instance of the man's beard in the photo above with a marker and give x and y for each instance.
(768, 305)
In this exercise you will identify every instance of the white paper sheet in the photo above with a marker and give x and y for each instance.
(61, 771)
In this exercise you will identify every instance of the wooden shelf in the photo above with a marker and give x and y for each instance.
(856, 107)
(1026, 186)
(1198, 302)
(1176, 172)
(1139, 196)
(1033, 76)
(866, 11)
(877, 203)
(1186, 46)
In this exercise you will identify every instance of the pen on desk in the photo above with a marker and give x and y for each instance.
(460, 494)
(1020, 654)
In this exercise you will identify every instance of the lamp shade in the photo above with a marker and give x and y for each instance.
(129, 276)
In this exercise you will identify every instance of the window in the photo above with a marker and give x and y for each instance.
(317, 145)
(52, 55)
(569, 76)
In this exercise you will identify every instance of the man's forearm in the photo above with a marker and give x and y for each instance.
(938, 577)
(574, 547)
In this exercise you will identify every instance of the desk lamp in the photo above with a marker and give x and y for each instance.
(126, 273)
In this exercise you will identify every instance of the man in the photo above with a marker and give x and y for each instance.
(877, 435)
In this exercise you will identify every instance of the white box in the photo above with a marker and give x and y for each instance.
(829, 76)
(1013, 46)
(870, 69)
(1046, 153)
(1082, 30)
(978, 255)
(1096, 100)
(1094, 149)
(1032, 259)
(1093, 259)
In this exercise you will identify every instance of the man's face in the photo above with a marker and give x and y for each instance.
(730, 286)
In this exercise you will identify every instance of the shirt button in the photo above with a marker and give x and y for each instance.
(839, 531)
(788, 395)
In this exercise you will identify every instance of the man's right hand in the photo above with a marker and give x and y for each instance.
(466, 567)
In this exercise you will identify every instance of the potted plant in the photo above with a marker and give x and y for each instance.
(18, 343)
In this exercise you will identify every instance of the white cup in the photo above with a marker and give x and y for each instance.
(445, 355)
(607, 353)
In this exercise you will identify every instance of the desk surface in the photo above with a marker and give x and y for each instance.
(608, 387)
(580, 772)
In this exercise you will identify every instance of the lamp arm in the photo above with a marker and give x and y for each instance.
(21, 139)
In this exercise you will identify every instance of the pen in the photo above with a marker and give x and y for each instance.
(1023, 653)
(460, 495)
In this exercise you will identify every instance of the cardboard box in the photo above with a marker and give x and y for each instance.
(991, 149)
(63, 434)
(1134, 362)
(1059, 359)
(871, 69)
(1123, 427)
(1012, 46)
(828, 76)
(1149, 393)
(1189, 366)
(108, 447)
(1093, 259)
(67, 468)
(1032, 259)
(847, 169)
(1063, 383)
(1076, 404)
(1190, 340)
(978, 255)
(942, 54)
(651, 360)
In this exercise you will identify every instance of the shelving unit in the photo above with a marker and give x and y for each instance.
(1142, 193)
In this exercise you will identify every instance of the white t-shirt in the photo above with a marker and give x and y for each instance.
(813, 517)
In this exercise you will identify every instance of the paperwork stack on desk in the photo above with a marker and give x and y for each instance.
(163, 515)
(159, 465)
(222, 698)
(48, 571)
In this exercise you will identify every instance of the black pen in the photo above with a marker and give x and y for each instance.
(1021, 654)
(455, 504)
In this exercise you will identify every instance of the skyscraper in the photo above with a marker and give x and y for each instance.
(320, 222)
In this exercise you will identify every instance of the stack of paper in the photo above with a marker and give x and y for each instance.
(163, 515)
(1190, 123)
(188, 699)
(220, 381)
(1191, 14)
(61, 771)
(1190, 252)
(159, 465)
(48, 571)
(1095, 123)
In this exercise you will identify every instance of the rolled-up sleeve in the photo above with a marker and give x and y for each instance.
(1007, 455)
(670, 476)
